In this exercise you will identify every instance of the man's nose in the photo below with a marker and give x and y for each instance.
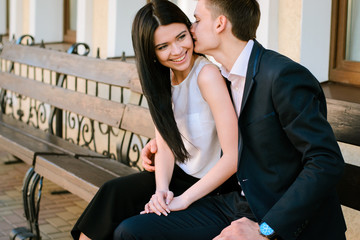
(192, 28)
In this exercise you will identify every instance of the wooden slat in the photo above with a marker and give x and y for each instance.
(110, 165)
(138, 120)
(22, 146)
(104, 71)
(56, 144)
(68, 180)
(337, 91)
(75, 175)
(96, 108)
(135, 85)
(344, 118)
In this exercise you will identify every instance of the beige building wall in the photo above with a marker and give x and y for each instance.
(290, 28)
(100, 27)
(26, 17)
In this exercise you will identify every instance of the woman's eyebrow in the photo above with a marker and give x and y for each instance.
(180, 34)
(158, 45)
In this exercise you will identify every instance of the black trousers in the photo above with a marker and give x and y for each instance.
(122, 198)
(203, 220)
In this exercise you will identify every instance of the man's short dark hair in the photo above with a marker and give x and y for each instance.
(244, 15)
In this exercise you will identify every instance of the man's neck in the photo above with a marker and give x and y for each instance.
(228, 52)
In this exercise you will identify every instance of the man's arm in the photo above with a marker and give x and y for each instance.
(301, 109)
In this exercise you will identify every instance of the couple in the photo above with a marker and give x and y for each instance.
(277, 141)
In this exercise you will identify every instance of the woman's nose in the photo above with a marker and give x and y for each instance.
(176, 49)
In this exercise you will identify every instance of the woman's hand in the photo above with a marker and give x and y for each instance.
(179, 203)
(159, 203)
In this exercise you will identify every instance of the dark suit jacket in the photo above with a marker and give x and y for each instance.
(289, 161)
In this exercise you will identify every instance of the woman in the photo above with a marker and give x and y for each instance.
(190, 106)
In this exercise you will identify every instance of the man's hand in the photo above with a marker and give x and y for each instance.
(241, 229)
(148, 156)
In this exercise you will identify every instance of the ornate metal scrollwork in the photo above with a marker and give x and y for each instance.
(129, 149)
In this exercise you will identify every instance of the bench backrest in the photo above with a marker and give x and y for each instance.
(95, 96)
(343, 105)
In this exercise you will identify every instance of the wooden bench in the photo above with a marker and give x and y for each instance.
(344, 116)
(75, 120)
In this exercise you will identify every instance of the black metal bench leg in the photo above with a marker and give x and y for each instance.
(22, 230)
(31, 204)
(34, 204)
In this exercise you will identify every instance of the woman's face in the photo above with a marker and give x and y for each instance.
(174, 46)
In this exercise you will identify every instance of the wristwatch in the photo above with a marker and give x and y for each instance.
(267, 231)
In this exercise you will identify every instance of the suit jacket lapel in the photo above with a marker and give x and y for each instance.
(249, 82)
(251, 72)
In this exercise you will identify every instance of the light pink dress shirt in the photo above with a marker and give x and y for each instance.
(237, 75)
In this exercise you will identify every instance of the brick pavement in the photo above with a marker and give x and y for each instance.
(58, 213)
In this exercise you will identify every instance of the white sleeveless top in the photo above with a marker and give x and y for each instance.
(195, 123)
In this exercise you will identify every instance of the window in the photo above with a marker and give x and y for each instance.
(345, 42)
(70, 13)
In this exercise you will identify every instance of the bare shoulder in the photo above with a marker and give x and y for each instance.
(209, 73)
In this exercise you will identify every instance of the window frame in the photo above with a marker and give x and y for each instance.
(69, 34)
(341, 70)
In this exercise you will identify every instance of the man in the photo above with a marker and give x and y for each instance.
(289, 160)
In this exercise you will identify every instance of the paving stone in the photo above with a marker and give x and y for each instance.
(13, 219)
(5, 226)
(67, 216)
(75, 209)
(60, 235)
(48, 229)
(57, 222)
(66, 229)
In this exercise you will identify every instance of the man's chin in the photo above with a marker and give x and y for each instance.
(197, 49)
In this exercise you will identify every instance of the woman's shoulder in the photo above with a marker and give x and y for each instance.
(203, 60)
(209, 73)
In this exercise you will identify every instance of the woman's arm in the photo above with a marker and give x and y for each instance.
(163, 172)
(214, 91)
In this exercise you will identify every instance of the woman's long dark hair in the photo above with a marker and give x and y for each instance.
(154, 77)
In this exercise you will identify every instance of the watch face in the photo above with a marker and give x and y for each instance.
(265, 229)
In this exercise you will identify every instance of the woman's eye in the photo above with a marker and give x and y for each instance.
(162, 47)
(182, 36)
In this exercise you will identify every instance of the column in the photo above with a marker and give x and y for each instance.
(315, 37)
(46, 20)
(16, 18)
(120, 18)
(3, 19)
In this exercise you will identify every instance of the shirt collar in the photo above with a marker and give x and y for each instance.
(240, 66)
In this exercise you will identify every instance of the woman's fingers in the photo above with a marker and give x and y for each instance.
(169, 198)
(157, 205)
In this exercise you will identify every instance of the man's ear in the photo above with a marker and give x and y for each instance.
(221, 22)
